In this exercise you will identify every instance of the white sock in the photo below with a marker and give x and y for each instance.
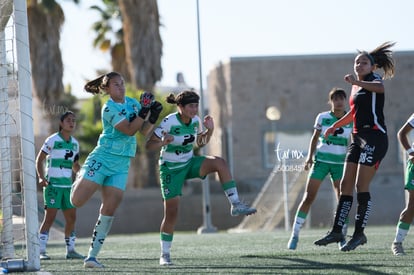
(400, 235)
(70, 242)
(232, 195)
(102, 227)
(165, 247)
(43, 238)
(166, 242)
(297, 225)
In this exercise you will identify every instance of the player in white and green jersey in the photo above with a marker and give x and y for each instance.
(61, 153)
(177, 135)
(333, 149)
(176, 154)
(325, 156)
(407, 215)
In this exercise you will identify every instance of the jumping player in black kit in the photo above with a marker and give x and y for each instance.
(369, 141)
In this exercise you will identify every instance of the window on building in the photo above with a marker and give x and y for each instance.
(285, 147)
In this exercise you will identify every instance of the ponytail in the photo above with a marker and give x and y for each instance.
(98, 84)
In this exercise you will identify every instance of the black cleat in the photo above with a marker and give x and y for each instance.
(354, 242)
(331, 237)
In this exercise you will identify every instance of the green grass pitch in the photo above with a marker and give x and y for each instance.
(237, 253)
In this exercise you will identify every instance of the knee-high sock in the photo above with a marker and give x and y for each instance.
(363, 211)
(102, 227)
(342, 212)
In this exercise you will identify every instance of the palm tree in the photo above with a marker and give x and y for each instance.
(143, 45)
(136, 46)
(109, 36)
(45, 19)
(143, 48)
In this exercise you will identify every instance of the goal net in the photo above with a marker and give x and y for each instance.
(19, 221)
(277, 201)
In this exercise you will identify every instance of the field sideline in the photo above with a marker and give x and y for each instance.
(237, 253)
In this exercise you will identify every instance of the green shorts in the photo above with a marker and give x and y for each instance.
(172, 180)
(57, 197)
(321, 169)
(106, 169)
(409, 176)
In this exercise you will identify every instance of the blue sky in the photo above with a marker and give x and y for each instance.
(236, 28)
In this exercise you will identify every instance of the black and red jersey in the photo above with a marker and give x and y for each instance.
(367, 107)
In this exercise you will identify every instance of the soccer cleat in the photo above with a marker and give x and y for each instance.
(44, 256)
(241, 208)
(354, 242)
(293, 242)
(91, 262)
(342, 242)
(165, 260)
(331, 237)
(74, 255)
(397, 249)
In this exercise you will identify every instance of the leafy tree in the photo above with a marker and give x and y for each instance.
(110, 36)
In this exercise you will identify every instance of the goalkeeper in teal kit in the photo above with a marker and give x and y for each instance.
(107, 166)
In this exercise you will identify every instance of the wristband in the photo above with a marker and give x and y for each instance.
(411, 150)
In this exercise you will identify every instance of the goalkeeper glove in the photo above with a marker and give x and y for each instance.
(156, 109)
(146, 100)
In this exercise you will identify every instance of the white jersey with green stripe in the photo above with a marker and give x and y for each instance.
(180, 150)
(333, 149)
(61, 155)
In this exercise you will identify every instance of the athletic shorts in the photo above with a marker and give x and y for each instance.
(106, 169)
(367, 148)
(57, 197)
(172, 180)
(409, 176)
(321, 169)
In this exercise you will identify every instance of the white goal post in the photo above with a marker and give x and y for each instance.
(19, 237)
